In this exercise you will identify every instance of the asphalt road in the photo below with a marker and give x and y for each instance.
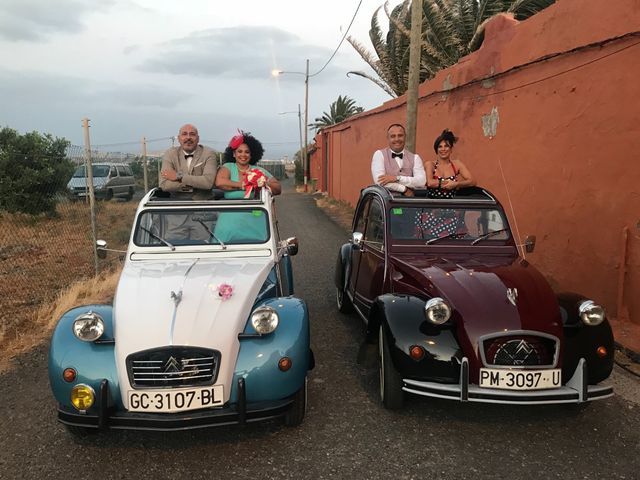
(346, 434)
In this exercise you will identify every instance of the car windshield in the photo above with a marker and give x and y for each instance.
(456, 224)
(97, 170)
(169, 228)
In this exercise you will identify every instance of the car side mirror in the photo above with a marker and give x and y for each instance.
(356, 239)
(529, 243)
(292, 245)
(101, 246)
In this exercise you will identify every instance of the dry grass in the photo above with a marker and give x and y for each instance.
(40, 256)
(94, 290)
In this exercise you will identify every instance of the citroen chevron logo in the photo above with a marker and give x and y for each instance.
(512, 295)
(172, 366)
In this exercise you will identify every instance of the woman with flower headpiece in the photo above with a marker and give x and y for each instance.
(239, 176)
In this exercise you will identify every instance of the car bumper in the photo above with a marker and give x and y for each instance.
(576, 390)
(238, 414)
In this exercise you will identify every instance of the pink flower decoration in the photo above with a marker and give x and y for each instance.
(225, 291)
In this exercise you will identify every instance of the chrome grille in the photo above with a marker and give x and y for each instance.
(173, 367)
(520, 351)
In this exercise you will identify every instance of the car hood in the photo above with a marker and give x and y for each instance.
(477, 289)
(164, 303)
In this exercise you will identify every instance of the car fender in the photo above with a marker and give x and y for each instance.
(343, 263)
(92, 361)
(404, 323)
(583, 341)
(258, 357)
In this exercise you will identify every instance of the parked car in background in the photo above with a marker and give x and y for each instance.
(109, 180)
(458, 314)
(204, 329)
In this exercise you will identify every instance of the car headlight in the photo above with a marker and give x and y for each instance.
(82, 397)
(88, 327)
(590, 313)
(264, 320)
(437, 311)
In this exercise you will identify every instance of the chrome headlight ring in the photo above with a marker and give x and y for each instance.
(437, 311)
(590, 313)
(88, 327)
(264, 320)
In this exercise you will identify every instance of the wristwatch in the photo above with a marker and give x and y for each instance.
(179, 176)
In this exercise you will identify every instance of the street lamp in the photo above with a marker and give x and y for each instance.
(305, 158)
(299, 124)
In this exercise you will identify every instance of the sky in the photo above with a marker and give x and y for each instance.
(143, 68)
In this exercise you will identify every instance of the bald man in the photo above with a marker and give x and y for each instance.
(190, 169)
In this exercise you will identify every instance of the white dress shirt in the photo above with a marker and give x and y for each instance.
(419, 179)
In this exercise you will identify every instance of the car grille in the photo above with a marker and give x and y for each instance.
(173, 367)
(520, 351)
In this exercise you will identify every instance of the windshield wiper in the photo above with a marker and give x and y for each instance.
(157, 237)
(489, 234)
(201, 222)
(451, 235)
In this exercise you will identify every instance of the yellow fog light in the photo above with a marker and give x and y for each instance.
(82, 397)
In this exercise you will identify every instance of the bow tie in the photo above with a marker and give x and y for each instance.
(188, 155)
(394, 155)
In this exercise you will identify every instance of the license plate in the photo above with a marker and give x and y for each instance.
(520, 379)
(168, 401)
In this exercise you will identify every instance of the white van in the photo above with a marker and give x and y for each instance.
(109, 180)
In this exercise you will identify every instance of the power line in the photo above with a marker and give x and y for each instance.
(339, 44)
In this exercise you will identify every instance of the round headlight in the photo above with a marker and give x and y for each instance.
(82, 397)
(264, 320)
(437, 311)
(88, 327)
(590, 313)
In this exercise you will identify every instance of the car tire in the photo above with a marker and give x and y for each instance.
(129, 195)
(391, 392)
(296, 412)
(343, 301)
(109, 195)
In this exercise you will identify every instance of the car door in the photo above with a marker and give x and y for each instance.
(370, 275)
(362, 212)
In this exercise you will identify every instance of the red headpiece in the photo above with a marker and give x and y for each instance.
(237, 140)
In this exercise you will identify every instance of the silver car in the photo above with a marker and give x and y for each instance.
(109, 180)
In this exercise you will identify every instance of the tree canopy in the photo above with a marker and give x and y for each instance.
(450, 30)
(340, 110)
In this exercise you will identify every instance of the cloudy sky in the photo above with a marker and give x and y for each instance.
(144, 67)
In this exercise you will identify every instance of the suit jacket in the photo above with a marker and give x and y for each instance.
(198, 179)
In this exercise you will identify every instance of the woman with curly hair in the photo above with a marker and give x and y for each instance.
(240, 157)
(445, 175)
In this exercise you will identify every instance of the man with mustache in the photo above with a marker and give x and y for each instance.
(188, 171)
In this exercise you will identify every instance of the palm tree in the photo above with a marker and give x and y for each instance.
(450, 30)
(340, 110)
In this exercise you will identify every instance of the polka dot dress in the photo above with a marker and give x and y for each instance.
(441, 192)
(436, 223)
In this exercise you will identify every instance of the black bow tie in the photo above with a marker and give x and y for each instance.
(394, 155)
(188, 155)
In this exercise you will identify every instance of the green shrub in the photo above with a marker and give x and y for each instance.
(34, 171)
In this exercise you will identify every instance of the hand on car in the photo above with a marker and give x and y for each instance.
(385, 179)
(169, 174)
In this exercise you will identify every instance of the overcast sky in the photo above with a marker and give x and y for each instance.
(144, 67)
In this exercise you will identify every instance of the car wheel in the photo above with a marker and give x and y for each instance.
(296, 412)
(109, 195)
(343, 301)
(129, 195)
(391, 392)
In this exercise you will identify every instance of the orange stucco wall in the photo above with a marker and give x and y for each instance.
(557, 140)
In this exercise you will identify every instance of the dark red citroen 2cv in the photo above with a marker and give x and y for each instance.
(458, 313)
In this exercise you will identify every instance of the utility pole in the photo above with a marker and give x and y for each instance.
(144, 164)
(414, 73)
(306, 121)
(92, 198)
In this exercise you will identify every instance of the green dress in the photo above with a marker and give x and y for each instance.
(241, 227)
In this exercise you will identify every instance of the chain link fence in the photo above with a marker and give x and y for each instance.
(42, 253)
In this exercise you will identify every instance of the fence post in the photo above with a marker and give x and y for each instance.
(92, 198)
(144, 164)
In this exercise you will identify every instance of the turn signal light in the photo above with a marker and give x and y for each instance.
(416, 352)
(285, 364)
(601, 351)
(69, 375)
